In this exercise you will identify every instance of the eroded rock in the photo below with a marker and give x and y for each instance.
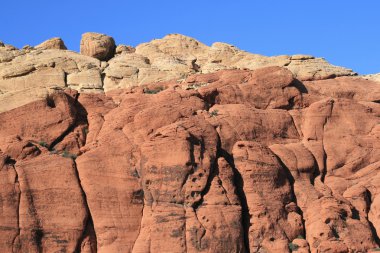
(53, 43)
(99, 46)
(252, 160)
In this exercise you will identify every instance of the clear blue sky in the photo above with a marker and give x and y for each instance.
(345, 32)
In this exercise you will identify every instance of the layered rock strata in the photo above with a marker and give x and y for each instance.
(33, 72)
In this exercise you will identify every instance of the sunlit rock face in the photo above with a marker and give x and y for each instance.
(175, 146)
(34, 72)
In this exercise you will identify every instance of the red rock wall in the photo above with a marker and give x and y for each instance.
(234, 161)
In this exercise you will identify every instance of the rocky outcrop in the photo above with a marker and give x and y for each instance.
(31, 73)
(176, 146)
(229, 161)
(374, 77)
(99, 46)
(53, 43)
(176, 56)
(34, 75)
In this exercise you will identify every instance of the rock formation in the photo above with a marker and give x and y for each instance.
(175, 146)
(53, 43)
(99, 46)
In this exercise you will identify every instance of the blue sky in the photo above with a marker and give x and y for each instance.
(346, 33)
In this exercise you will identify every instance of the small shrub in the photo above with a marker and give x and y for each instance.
(214, 113)
(300, 237)
(153, 91)
(68, 155)
(376, 249)
(293, 247)
(43, 144)
(195, 86)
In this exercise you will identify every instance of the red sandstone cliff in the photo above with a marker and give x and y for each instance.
(229, 161)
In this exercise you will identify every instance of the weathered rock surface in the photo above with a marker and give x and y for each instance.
(99, 46)
(53, 43)
(374, 77)
(233, 160)
(176, 56)
(31, 73)
(34, 75)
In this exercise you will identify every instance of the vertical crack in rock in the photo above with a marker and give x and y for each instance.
(238, 182)
(142, 210)
(89, 225)
(184, 229)
(138, 234)
(323, 173)
(372, 227)
(89, 229)
(294, 197)
(65, 78)
(225, 190)
(12, 162)
(203, 233)
(102, 79)
(296, 126)
(194, 141)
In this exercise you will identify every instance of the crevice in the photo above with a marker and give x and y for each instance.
(88, 232)
(89, 224)
(102, 78)
(138, 234)
(63, 135)
(204, 230)
(18, 191)
(209, 99)
(289, 106)
(291, 180)
(194, 141)
(80, 118)
(185, 231)
(297, 127)
(10, 161)
(65, 79)
(211, 176)
(50, 101)
(142, 215)
(323, 173)
(299, 85)
(138, 177)
(224, 189)
(372, 227)
(195, 66)
(239, 184)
